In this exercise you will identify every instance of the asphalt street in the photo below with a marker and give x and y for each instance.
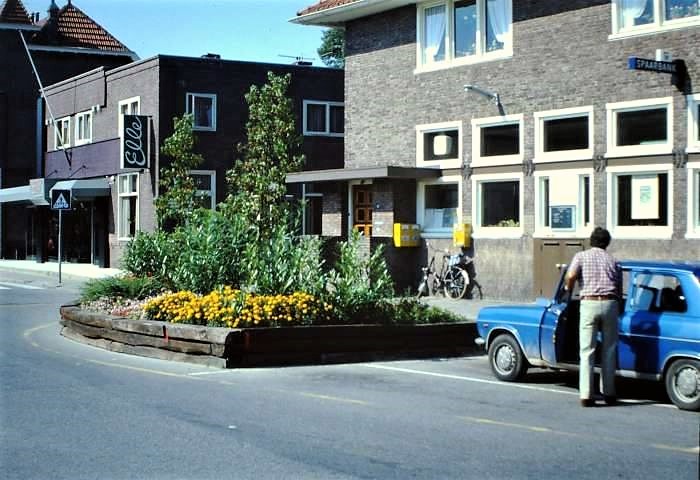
(72, 411)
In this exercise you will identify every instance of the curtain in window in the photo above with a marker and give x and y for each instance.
(434, 33)
(631, 10)
(497, 14)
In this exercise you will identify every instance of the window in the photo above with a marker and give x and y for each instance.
(639, 201)
(497, 205)
(129, 106)
(83, 128)
(128, 206)
(202, 107)
(643, 127)
(439, 205)
(693, 200)
(694, 123)
(61, 133)
(324, 118)
(439, 145)
(205, 182)
(564, 203)
(497, 140)
(643, 16)
(460, 32)
(564, 134)
(657, 293)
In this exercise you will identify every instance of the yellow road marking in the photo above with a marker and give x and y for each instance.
(334, 399)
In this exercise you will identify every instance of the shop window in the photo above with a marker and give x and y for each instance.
(642, 127)
(128, 206)
(644, 16)
(324, 118)
(61, 133)
(497, 205)
(205, 183)
(461, 32)
(83, 128)
(202, 107)
(439, 205)
(497, 140)
(564, 134)
(439, 145)
(564, 205)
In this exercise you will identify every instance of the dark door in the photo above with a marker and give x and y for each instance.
(362, 209)
(550, 256)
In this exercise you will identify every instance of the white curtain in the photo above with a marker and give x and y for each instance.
(434, 31)
(498, 14)
(630, 10)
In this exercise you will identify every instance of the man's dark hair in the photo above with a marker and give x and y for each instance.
(600, 238)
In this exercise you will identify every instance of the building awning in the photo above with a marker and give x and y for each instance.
(35, 193)
(85, 188)
(345, 174)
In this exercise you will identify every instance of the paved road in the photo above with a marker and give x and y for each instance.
(72, 411)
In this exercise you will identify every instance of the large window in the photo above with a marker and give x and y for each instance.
(439, 205)
(202, 106)
(128, 204)
(61, 133)
(205, 182)
(439, 145)
(640, 201)
(497, 205)
(643, 127)
(564, 203)
(324, 118)
(83, 128)
(694, 123)
(642, 16)
(564, 134)
(497, 140)
(693, 200)
(464, 31)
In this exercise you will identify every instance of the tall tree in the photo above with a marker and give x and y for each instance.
(332, 49)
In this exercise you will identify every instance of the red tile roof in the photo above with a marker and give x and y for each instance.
(324, 5)
(12, 11)
(76, 29)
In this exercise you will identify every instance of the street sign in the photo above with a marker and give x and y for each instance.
(636, 63)
(60, 199)
(135, 141)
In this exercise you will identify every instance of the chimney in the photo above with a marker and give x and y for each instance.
(52, 23)
(212, 56)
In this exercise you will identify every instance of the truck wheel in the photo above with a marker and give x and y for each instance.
(683, 384)
(506, 359)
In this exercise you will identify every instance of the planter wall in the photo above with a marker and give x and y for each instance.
(224, 347)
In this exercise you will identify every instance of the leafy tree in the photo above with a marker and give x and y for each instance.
(177, 198)
(332, 49)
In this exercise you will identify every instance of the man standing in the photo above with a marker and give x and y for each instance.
(600, 281)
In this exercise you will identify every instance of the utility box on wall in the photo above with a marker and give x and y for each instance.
(406, 235)
(462, 234)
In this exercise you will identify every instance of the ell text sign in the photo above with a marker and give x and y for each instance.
(135, 141)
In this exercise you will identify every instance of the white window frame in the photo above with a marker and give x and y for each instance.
(581, 230)
(478, 123)
(420, 205)
(612, 109)
(327, 131)
(59, 126)
(128, 102)
(80, 139)
(421, 130)
(658, 25)
(190, 99)
(120, 195)
(664, 232)
(212, 191)
(693, 230)
(450, 61)
(580, 154)
(693, 123)
(496, 232)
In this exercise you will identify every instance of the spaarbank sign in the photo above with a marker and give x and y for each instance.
(135, 141)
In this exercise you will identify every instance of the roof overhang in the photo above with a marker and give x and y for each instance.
(337, 16)
(36, 193)
(85, 188)
(346, 174)
(83, 51)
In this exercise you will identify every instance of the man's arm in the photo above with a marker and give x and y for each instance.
(572, 274)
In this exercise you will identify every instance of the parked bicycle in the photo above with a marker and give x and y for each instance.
(453, 278)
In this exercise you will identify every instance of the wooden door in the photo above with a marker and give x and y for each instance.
(362, 209)
(549, 257)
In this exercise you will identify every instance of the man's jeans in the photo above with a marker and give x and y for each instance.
(598, 314)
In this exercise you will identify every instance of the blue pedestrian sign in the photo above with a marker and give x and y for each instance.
(60, 199)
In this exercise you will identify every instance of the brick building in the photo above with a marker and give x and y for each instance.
(65, 43)
(114, 200)
(532, 122)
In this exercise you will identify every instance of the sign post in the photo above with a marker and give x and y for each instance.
(60, 200)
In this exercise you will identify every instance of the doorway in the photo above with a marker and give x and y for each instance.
(550, 256)
(362, 209)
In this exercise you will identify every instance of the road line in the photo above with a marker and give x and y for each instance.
(213, 372)
(334, 399)
(4, 288)
(19, 285)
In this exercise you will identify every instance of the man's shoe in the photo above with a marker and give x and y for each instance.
(610, 400)
(587, 402)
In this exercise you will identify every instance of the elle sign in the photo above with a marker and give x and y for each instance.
(135, 140)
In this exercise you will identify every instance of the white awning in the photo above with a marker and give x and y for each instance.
(85, 188)
(33, 193)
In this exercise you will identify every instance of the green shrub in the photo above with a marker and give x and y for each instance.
(150, 255)
(120, 286)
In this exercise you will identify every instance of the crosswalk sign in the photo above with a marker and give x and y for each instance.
(60, 199)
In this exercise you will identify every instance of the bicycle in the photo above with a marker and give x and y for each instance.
(453, 278)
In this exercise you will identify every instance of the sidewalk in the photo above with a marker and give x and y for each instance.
(68, 270)
(468, 309)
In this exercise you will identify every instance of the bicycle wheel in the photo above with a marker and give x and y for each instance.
(456, 281)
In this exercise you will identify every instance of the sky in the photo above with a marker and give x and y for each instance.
(250, 30)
